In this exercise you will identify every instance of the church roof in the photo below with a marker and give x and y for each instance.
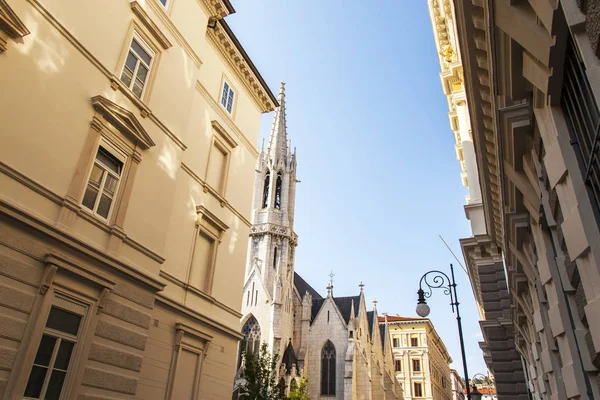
(370, 316)
(344, 305)
(382, 334)
(289, 357)
(304, 287)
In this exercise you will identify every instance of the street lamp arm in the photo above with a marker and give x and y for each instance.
(439, 281)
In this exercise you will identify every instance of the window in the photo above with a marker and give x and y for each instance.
(418, 389)
(53, 357)
(103, 182)
(275, 258)
(208, 235)
(227, 97)
(265, 200)
(278, 191)
(251, 341)
(398, 365)
(396, 342)
(137, 66)
(217, 166)
(414, 341)
(328, 369)
(163, 2)
(416, 365)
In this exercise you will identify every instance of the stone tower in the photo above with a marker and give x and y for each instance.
(268, 286)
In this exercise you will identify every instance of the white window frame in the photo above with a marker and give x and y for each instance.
(119, 156)
(144, 44)
(67, 304)
(231, 89)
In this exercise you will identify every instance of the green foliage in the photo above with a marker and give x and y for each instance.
(260, 373)
(300, 392)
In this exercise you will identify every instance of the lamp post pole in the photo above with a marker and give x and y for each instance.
(439, 280)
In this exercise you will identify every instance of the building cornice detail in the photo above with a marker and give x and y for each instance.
(10, 24)
(218, 8)
(230, 51)
(273, 229)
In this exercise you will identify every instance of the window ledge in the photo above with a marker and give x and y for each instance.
(116, 84)
(215, 193)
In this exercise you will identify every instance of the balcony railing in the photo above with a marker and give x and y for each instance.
(582, 116)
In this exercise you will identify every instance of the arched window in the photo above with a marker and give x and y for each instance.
(278, 191)
(266, 189)
(328, 369)
(275, 258)
(293, 385)
(251, 341)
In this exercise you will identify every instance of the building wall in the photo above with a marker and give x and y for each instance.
(149, 317)
(435, 360)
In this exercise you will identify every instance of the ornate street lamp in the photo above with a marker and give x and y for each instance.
(440, 280)
(475, 393)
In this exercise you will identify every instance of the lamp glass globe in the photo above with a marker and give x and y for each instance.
(422, 310)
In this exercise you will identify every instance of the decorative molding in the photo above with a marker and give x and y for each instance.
(223, 133)
(30, 183)
(150, 25)
(276, 230)
(123, 120)
(233, 333)
(229, 47)
(188, 330)
(10, 24)
(53, 259)
(205, 214)
(213, 192)
(79, 245)
(227, 118)
(217, 9)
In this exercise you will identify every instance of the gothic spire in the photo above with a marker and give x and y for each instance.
(278, 142)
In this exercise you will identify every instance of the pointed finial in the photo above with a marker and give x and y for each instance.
(374, 304)
(362, 285)
(329, 289)
(282, 88)
(331, 275)
(262, 146)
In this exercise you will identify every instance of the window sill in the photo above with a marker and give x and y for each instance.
(215, 193)
(116, 84)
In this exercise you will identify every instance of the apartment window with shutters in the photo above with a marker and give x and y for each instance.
(137, 66)
(103, 181)
(54, 356)
(209, 233)
(416, 365)
(418, 389)
(228, 97)
(219, 157)
(398, 365)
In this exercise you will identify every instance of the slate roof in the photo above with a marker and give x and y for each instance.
(370, 316)
(382, 334)
(344, 304)
(303, 287)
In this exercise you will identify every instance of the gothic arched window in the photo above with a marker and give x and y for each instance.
(275, 258)
(278, 184)
(251, 341)
(328, 369)
(293, 385)
(266, 189)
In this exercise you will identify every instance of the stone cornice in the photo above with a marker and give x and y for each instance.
(150, 25)
(476, 54)
(232, 51)
(10, 23)
(276, 230)
(218, 8)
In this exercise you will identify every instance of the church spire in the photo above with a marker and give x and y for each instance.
(278, 143)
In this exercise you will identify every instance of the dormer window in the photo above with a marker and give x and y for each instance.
(227, 97)
(278, 184)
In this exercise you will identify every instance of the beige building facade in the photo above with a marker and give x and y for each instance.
(532, 78)
(128, 140)
(421, 361)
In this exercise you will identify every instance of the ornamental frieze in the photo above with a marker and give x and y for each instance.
(277, 230)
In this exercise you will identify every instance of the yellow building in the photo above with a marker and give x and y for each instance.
(421, 360)
(127, 149)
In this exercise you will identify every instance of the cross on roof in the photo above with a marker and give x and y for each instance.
(331, 275)
(362, 285)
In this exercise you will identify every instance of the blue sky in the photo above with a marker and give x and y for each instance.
(380, 178)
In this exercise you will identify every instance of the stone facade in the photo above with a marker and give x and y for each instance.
(280, 309)
(415, 341)
(532, 73)
(121, 204)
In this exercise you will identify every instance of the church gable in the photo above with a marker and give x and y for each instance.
(327, 313)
